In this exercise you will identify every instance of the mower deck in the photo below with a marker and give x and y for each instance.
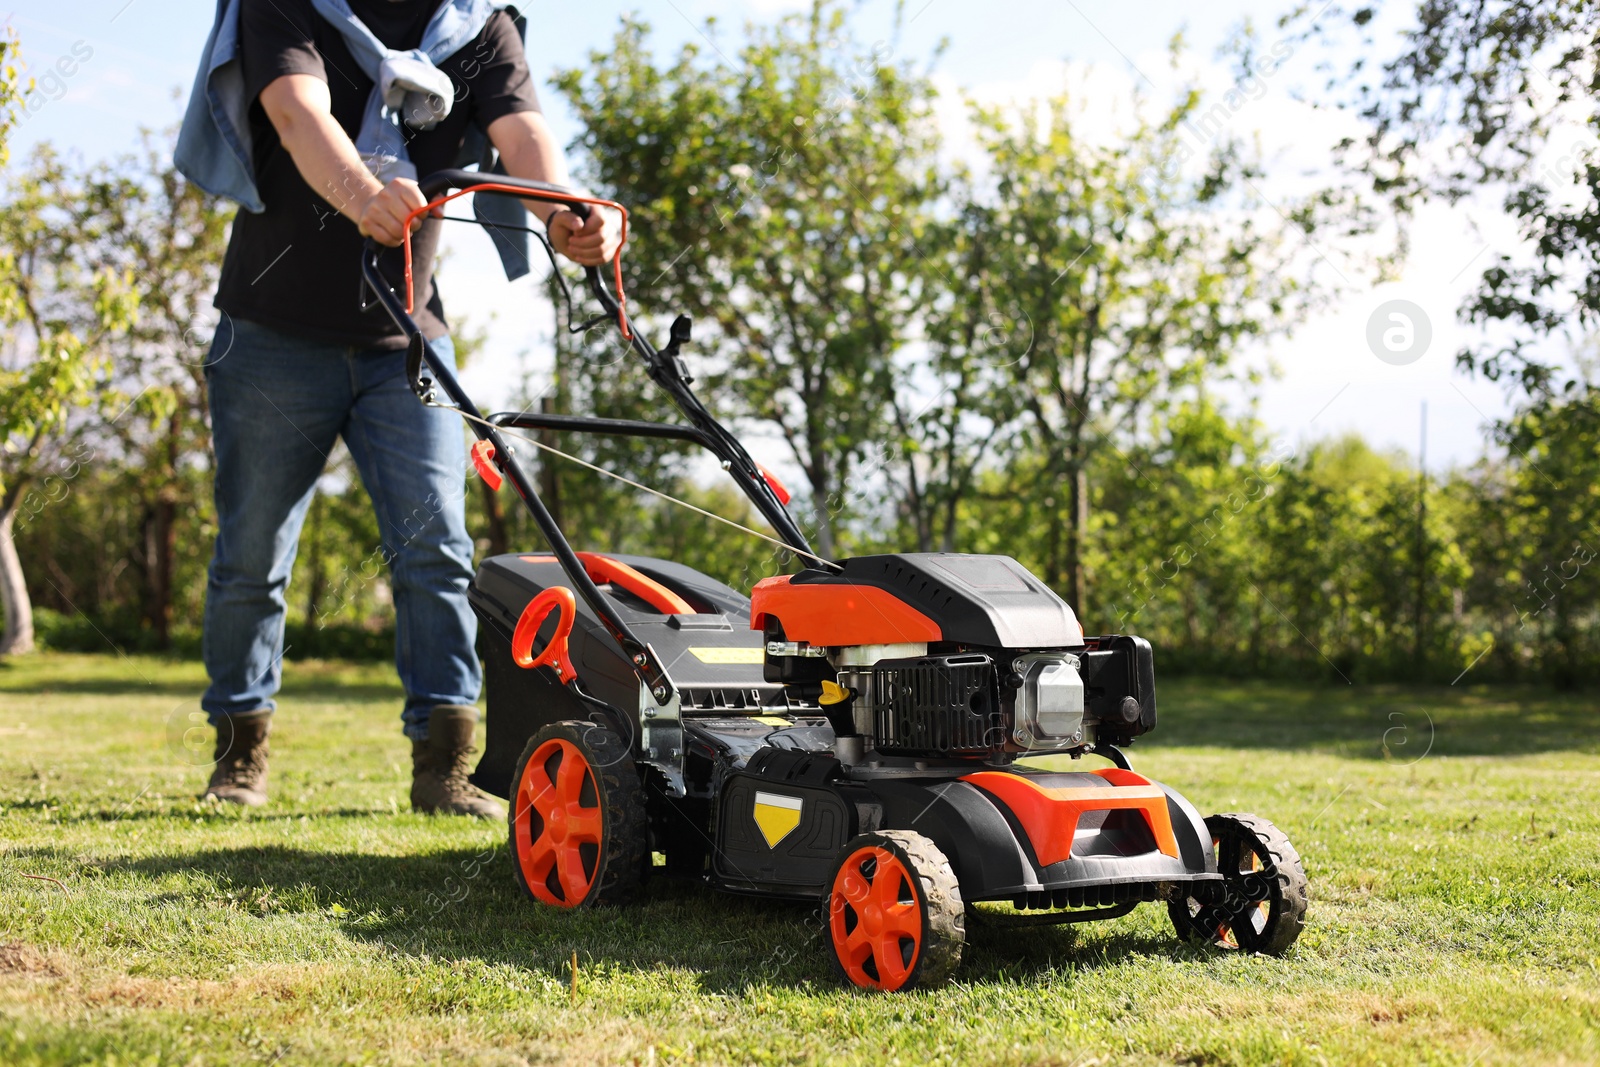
(743, 785)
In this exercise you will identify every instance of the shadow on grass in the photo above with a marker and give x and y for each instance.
(1376, 722)
(316, 687)
(207, 813)
(1381, 722)
(463, 905)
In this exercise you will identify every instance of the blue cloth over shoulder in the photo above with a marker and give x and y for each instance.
(214, 145)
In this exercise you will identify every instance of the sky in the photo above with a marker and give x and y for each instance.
(1330, 379)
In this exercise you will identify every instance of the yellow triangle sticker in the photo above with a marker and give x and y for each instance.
(776, 815)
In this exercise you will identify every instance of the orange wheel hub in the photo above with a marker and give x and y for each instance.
(875, 919)
(559, 825)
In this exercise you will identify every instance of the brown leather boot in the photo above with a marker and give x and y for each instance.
(240, 774)
(439, 783)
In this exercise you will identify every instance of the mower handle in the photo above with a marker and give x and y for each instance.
(664, 366)
(442, 181)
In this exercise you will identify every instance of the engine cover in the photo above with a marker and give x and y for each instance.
(975, 600)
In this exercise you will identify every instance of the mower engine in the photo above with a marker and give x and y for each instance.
(1004, 669)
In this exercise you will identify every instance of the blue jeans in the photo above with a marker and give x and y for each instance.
(278, 404)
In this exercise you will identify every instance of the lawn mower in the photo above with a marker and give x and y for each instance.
(854, 733)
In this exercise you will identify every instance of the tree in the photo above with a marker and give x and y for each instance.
(950, 401)
(1121, 283)
(1468, 103)
(167, 235)
(784, 199)
(1544, 572)
(56, 316)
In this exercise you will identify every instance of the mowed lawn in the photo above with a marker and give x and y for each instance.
(1451, 836)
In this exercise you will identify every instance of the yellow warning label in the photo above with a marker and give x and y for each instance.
(777, 816)
(712, 654)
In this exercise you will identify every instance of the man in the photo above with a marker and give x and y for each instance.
(297, 364)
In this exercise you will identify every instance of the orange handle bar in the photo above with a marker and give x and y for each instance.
(566, 198)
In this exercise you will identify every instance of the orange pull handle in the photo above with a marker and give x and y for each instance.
(604, 569)
(483, 459)
(556, 654)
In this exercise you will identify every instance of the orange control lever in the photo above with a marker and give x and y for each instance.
(483, 459)
(779, 490)
(556, 654)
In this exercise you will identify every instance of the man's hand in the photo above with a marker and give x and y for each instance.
(590, 242)
(383, 216)
(529, 150)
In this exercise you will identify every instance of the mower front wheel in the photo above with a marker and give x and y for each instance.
(895, 916)
(1262, 906)
(577, 819)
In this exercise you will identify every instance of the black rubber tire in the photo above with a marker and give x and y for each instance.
(1272, 896)
(613, 786)
(938, 897)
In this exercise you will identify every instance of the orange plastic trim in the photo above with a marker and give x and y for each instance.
(603, 569)
(779, 490)
(564, 198)
(556, 653)
(1050, 815)
(565, 825)
(483, 459)
(834, 614)
(884, 922)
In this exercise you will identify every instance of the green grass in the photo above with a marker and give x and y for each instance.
(1455, 905)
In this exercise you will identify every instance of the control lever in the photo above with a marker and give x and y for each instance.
(423, 387)
(679, 335)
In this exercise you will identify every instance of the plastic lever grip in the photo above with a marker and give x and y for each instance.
(779, 490)
(556, 654)
(483, 459)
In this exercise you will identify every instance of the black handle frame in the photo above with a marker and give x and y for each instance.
(664, 368)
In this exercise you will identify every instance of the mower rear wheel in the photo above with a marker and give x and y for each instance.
(1263, 903)
(895, 916)
(577, 819)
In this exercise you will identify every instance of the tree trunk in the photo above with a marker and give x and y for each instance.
(820, 506)
(549, 477)
(499, 539)
(18, 637)
(1053, 571)
(947, 543)
(160, 545)
(317, 581)
(549, 480)
(1077, 528)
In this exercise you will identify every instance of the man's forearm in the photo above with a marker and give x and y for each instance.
(529, 149)
(321, 150)
(330, 164)
(298, 107)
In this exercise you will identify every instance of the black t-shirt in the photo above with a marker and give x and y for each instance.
(296, 266)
